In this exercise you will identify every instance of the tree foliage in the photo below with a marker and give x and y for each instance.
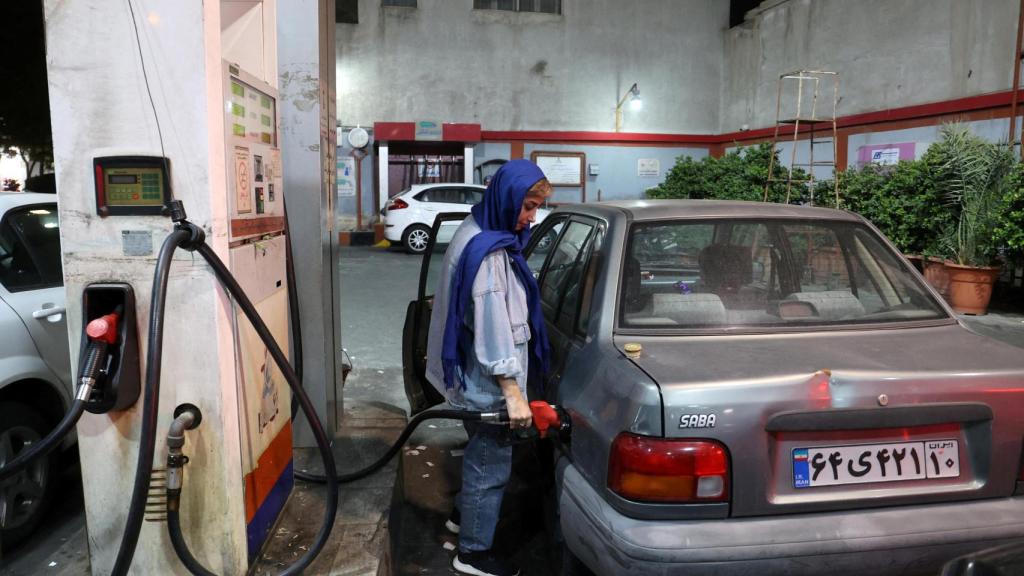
(24, 98)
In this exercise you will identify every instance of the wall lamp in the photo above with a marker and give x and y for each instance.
(635, 103)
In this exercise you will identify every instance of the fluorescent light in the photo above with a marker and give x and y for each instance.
(39, 212)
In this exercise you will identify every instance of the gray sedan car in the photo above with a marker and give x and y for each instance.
(35, 375)
(764, 389)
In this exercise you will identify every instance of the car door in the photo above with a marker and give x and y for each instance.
(32, 283)
(566, 284)
(421, 393)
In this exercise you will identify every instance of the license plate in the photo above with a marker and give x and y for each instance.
(836, 465)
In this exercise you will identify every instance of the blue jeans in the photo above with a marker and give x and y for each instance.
(486, 467)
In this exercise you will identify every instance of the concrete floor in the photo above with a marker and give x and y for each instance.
(391, 522)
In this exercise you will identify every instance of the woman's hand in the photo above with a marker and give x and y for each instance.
(519, 413)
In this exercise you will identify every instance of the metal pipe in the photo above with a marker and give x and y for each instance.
(1016, 76)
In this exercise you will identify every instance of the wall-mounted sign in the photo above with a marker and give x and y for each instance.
(885, 154)
(648, 167)
(561, 168)
(346, 178)
(428, 130)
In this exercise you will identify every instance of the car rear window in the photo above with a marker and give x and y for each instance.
(763, 273)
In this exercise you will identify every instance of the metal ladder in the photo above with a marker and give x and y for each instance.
(811, 81)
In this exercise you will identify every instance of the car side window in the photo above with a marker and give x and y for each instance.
(548, 232)
(30, 249)
(587, 289)
(443, 195)
(560, 279)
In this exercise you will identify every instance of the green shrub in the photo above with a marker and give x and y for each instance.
(1009, 230)
(903, 201)
(737, 175)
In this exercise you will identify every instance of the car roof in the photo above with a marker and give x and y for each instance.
(641, 210)
(10, 200)
(418, 187)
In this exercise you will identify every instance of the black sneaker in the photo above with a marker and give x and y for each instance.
(453, 521)
(482, 563)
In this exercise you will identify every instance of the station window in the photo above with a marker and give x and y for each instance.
(545, 6)
(407, 3)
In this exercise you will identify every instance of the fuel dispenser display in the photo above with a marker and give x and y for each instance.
(132, 185)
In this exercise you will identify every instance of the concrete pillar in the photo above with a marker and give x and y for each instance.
(306, 55)
(154, 84)
(382, 174)
(467, 171)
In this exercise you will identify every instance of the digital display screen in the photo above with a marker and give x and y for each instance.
(134, 186)
(122, 179)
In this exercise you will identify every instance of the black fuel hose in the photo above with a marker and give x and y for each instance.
(92, 364)
(150, 403)
(331, 506)
(293, 306)
(500, 416)
(178, 541)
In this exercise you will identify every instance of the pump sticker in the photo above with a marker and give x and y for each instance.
(243, 194)
(137, 242)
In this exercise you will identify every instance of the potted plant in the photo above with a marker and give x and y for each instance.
(977, 175)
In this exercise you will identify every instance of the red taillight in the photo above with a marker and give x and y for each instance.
(397, 204)
(668, 470)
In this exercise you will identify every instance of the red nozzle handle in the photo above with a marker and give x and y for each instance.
(103, 329)
(544, 416)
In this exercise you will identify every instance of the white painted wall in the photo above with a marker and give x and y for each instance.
(889, 53)
(522, 71)
(100, 107)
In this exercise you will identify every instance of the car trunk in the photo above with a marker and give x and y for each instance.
(817, 421)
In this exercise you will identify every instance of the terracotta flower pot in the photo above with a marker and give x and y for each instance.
(937, 275)
(970, 288)
(916, 261)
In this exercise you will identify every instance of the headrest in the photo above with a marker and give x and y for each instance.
(725, 266)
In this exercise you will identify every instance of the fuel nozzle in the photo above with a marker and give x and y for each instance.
(546, 418)
(102, 332)
(549, 417)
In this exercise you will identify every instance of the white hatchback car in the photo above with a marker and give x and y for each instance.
(35, 372)
(409, 216)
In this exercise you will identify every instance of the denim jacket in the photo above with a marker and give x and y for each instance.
(499, 320)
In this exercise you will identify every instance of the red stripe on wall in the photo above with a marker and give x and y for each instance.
(269, 467)
(539, 136)
(385, 131)
(920, 111)
(454, 132)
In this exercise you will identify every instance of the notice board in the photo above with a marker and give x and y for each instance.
(561, 168)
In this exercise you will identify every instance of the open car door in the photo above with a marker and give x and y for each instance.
(421, 393)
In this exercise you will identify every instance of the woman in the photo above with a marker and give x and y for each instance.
(480, 350)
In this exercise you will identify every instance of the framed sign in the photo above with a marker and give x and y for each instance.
(561, 168)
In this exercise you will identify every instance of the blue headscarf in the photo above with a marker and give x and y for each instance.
(497, 216)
